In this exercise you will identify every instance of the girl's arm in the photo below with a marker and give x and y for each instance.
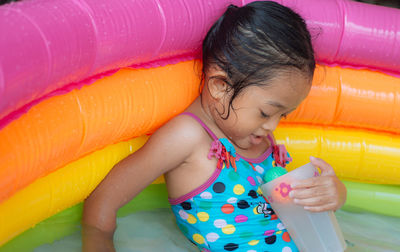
(322, 193)
(169, 147)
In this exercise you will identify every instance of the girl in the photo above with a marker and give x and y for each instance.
(258, 64)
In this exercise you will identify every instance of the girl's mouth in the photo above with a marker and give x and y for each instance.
(254, 139)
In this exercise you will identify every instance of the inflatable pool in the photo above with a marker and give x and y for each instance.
(83, 83)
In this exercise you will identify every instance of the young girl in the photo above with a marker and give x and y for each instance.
(258, 64)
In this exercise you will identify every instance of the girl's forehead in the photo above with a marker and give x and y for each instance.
(286, 90)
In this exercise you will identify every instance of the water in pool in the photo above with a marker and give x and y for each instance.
(155, 230)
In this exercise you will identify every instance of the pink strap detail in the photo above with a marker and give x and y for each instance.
(283, 153)
(280, 155)
(215, 150)
(279, 152)
(201, 123)
(219, 151)
(252, 160)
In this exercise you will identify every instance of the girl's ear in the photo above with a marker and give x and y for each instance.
(216, 83)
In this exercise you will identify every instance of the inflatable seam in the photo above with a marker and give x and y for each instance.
(82, 5)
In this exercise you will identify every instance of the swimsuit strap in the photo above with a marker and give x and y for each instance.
(259, 159)
(279, 153)
(270, 138)
(201, 123)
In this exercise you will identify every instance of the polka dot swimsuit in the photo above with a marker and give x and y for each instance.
(228, 212)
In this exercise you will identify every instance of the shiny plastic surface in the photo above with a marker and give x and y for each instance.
(44, 50)
(57, 131)
(60, 189)
(341, 97)
(354, 154)
(352, 33)
(72, 183)
(351, 98)
(63, 128)
(53, 43)
(385, 198)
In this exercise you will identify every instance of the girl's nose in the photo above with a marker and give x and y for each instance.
(271, 123)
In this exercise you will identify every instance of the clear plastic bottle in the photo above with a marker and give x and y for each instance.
(311, 232)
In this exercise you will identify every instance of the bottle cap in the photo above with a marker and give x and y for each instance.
(273, 173)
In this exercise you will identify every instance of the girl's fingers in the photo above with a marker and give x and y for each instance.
(305, 183)
(326, 169)
(315, 201)
(309, 193)
(318, 201)
(321, 193)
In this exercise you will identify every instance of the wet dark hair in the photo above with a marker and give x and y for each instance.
(254, 43)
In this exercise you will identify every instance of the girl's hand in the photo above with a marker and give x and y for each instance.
(322, 193)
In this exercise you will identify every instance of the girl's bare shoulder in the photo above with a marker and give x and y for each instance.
(176, 141)
(184, 128)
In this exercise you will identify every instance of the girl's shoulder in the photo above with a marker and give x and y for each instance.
(183, 131)
(185, 127)
(175, 143)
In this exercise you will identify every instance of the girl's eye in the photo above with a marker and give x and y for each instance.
(264, 115)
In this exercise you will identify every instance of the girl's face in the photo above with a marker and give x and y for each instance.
(257, 110)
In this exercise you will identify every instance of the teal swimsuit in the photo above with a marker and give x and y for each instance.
(228, 212)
